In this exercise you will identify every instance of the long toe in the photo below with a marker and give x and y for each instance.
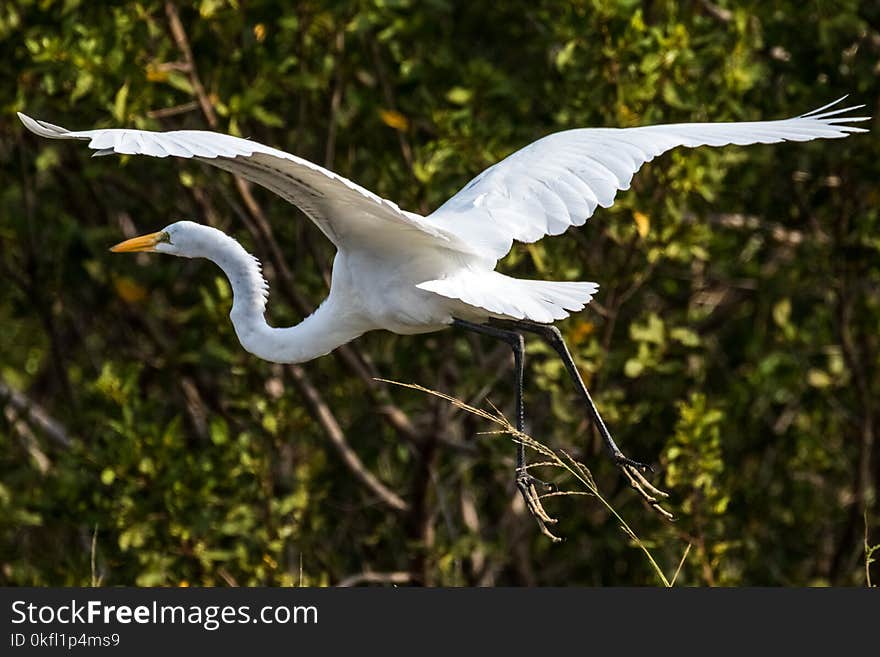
(526, 479)
(622, 460)
(646, 489)
(536, 508)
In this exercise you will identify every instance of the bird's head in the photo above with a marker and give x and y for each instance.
(182, 238)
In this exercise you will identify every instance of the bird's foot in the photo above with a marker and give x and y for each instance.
(527, 478)
(635, 473)
(622, 460)
(528, 488)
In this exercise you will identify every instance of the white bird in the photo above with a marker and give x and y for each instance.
(402, 272)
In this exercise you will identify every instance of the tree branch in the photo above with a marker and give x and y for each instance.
(325, 418)
(35, 414)
(182, 42)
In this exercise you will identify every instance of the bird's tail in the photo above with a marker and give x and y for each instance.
(514, 298)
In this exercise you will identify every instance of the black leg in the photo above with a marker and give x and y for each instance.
(525, 482)
(515, 340)
(633, 470)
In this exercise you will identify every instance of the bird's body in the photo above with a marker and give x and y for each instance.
(402, 272)
(399, 271)
(367, 293)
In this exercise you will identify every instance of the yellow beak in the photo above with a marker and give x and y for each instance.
(142, 243)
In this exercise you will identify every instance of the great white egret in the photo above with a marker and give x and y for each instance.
(402, 272)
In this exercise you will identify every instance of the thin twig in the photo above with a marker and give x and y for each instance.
(227, 577)
(182, 42)
(33, 413)
(165, 112)
(680, 564)
(29, 440)
(95, 579)
(719, 13)
(869, 554)
(395, 578)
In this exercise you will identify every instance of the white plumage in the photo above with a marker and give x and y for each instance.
(400, 271)
(539, 301)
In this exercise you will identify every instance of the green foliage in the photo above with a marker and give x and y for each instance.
(734, 338)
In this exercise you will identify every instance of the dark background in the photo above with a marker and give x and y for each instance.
(734, 340)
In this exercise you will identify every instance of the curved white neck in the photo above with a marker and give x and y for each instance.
(318, 334)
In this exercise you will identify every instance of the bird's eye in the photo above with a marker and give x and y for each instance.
(164, 237)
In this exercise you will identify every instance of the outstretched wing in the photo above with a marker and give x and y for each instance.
(558, 181)
(345, 212)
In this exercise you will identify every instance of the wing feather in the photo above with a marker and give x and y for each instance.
(558, 181)
(346, 212)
